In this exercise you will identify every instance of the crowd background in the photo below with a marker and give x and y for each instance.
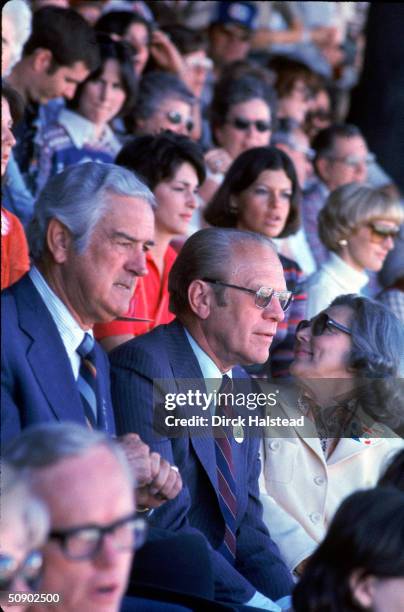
(281, 119)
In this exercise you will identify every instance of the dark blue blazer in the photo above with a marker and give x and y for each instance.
(165, 353)
(37, 382)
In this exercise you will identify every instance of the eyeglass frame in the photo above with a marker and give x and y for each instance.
(242, 125)
(255, 293)
(62, 535)
(353, 160)
(378, 235)
(305, 323)
(187, 123)
(18, 569)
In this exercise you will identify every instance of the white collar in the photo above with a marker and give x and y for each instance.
(345, 274)
(80, 129)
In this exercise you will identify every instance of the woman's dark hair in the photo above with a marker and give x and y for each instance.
(122, 53)
(231, 90)
(15, 102)
(288, 71)
(393, 476)
(241, 174)
(377, 342)
(118, 22)
(366, 536)
(157, 158)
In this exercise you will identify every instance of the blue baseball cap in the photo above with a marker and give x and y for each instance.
(243, 14)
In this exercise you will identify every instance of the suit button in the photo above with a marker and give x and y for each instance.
(315, 517)
(319, 480)
(274, 445)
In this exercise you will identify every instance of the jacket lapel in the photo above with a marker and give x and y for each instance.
(46, 354)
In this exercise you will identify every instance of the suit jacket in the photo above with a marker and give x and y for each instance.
(301, 489)
(165, 353)
(37, 382)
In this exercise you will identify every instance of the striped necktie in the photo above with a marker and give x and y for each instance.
(87, 380)
(226, 476)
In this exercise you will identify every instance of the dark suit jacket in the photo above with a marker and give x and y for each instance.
(165, 353)
(37, 382)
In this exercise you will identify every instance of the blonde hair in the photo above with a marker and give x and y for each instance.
(349, 206)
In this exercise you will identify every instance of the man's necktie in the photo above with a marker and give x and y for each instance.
(225, 475)
(87, 380)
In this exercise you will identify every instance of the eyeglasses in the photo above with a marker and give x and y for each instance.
(199, 62)
(243, 125)
(354, 160)
(320, 323)
(29, 570)
(380, 232)
(263, 296)
(175, 118)
(80, 543)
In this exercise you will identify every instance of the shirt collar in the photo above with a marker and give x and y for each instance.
(206, 363)
(350, 276)
(80, 129)
(71, 332)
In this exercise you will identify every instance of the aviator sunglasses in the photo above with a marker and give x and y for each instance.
(263, 296)
(176, 118)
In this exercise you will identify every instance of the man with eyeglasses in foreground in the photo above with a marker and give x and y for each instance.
(87, 484)
(228, 292)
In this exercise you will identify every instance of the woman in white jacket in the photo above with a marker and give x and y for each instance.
(346, 363)
(358, 225)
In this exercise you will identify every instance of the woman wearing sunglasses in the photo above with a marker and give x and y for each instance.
(24, 524)
(163, 103)
(358, 225)
(346, 364)
(260, 193)
(240, 118)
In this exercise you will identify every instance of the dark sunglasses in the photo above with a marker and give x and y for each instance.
(29, 570)
(176, 118)
(380, 232)
(320, 323)
(243, 125)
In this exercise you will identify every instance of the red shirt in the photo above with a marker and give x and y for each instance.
(14, 249)
(149, 301)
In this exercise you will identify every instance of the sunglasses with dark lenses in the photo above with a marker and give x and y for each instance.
(320, 324)
(176, 119)
(243, 125)
(380, 232)
(81, 543)
(29, 570)
(263, 296)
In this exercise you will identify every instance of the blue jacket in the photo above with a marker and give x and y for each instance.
(37, 382)
(165, 353)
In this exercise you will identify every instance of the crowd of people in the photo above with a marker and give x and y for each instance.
(188, 212)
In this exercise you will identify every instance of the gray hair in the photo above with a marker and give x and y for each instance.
(19, 13)
(349, 206)
(207, 253)
(78, 197)
(377, 342)
(46, 444)
(154, 88)
(18, 503)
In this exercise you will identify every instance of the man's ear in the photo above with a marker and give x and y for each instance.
(58, 240)
(362, 589)
(42, 60)
(200, 297)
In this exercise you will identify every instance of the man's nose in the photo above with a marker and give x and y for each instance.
(69, 91)
(108, 552)
(137, 262)
(274, 310)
